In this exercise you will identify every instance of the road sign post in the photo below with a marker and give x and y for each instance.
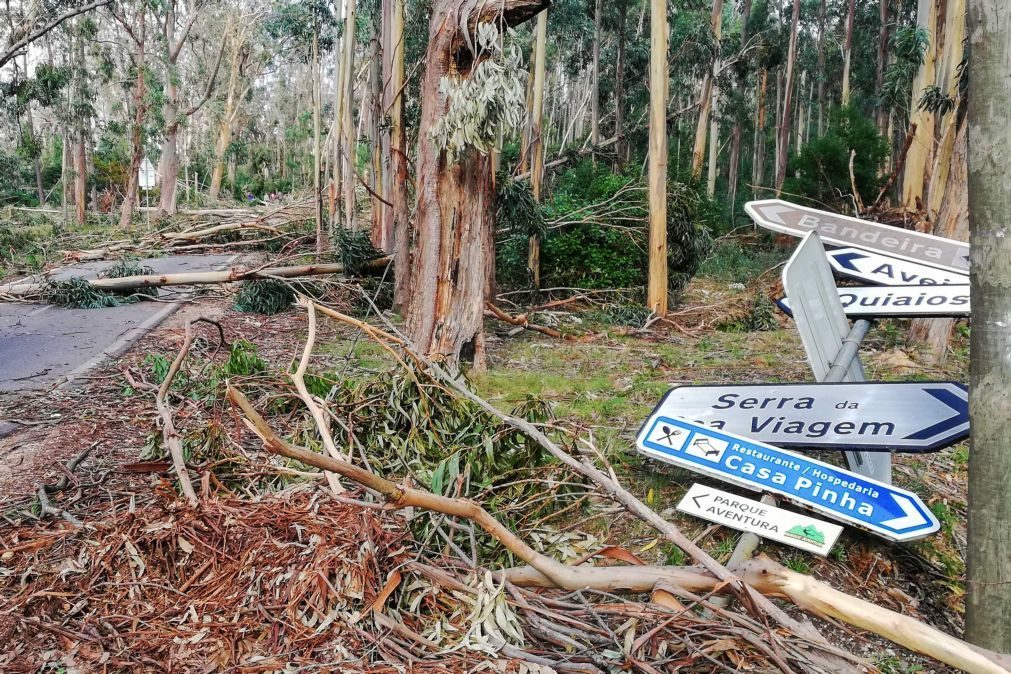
(890, 512)
(888, 416)
(840, 230)
(765, 520)
(824, 331)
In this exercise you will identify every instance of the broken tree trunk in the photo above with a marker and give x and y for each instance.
(451, 241)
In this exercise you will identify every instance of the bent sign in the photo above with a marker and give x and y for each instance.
(888, 511)
(890, 271)
(786, 218)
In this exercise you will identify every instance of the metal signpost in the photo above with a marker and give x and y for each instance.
(840, 230)
(900, 301)
(895, 416)
(830, 344)
(889, 271)
(767, 521)
(146, 178)
(890, 512)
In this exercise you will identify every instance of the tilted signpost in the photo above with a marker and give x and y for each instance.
(900, 301)
(890, 512)
(893, 416)
(786, 218)
(767, 521)
(824, 331)
(889, 271)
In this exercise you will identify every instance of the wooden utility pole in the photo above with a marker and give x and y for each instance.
(656, 292)
(537, 139)
(988, 579)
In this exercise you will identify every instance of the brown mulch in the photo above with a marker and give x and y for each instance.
(253, 584)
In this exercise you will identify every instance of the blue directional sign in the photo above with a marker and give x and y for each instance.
(890, 271)
(890, 512)
(913, 416)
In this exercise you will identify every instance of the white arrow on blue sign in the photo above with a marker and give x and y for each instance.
(900, 301)
(858, 416)
(890, 271)
(890, 512)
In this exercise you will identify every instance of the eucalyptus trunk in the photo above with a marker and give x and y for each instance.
(988, 601)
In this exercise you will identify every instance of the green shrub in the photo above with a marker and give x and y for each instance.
(822, 171)
(243, 360)
(264, 296)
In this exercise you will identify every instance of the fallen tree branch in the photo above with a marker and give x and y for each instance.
(169, 433)
(199, 277)
(218, 229)
(898, 166)
(521, 321)
(298, 379)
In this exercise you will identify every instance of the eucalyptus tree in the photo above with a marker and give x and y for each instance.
(306, 29)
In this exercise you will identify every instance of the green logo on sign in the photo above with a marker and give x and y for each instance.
(809, 533)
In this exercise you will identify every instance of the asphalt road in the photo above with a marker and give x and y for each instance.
(42, 346)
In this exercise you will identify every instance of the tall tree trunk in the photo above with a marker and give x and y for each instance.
(452, 239)
(317, 105)
(880, 114)
(137, 129)
(399, 213)
(619, 89)
(598, 19)
(379, 238)
(348, 138)
(783, 150)
(706, 96)
(656, 288)
(758, 158)
(537, 140)
(80, 132)
(169, 162)
(735, 133)
(847, 53)
(988, 578)
(236, 36)
(821, 69)
(918, 158)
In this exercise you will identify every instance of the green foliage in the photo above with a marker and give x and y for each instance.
(78, 293)
(761, 317)
(822, 167)
(737, 261)
(243, 360)
(625, 315)
(264, 296)
(515, 208)
(602, 241)
(354, 249)
(124, 268)
(908, 46)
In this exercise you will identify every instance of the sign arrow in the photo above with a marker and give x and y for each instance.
(911, 517)
(846, 259)
(888, 511)
(696, 499)
(775, 213)
(911, 417)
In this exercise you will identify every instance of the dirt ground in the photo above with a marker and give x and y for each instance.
(605, 385)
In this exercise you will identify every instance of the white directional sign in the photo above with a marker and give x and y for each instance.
(869, 416)
(900, 301)
(775, 524)
(787, 218)
(888, 511)
(146, 175)
(890, 271)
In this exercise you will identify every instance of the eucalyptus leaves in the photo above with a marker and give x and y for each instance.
(492, 96)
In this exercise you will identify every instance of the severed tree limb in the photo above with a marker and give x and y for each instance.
(298, 379)
(521, 321)
(218, 229)
(169, 432)
(833, 658)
